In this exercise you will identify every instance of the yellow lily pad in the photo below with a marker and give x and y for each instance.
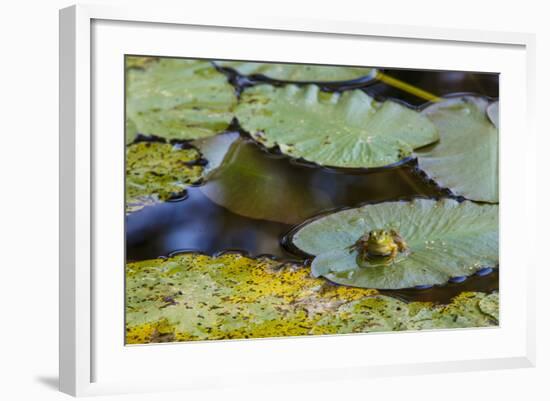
(156, 172)
(197, 297)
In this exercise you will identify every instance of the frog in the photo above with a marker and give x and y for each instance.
(379, 245)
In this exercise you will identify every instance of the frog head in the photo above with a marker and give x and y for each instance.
(379, 246)
(381, 243)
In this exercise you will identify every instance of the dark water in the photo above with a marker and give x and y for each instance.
(256, 196)
(439, 83)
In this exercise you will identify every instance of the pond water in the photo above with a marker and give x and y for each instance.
(257, 196)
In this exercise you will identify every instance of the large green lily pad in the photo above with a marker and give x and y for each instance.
(445, 239)
(157, 171)
(197, 297)
(339, 130)
(177, 99)
(300, 72)
(465, 160)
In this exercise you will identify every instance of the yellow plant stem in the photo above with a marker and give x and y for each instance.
(413, 90)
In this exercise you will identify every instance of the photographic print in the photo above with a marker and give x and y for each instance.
(280, 199)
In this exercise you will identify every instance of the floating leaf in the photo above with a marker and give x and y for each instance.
(465, 311)
(230, 296)
(445, 239)
(179, 99)
(139, 62)
(197, 297)
(493, 113)
(157, 171)
(339, 130)
(465, 160)
(131, 131)
(490, 305)
(301, 72)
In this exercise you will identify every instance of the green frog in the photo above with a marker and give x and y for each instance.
(379, 245)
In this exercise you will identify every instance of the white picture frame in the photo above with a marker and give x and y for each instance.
(92, 360)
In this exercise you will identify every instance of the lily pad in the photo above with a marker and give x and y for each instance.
(338, 130)
(493, 113)
(465, 311)
(156, 171)
(301, 72)
(490, 305)
(197, 297)
(139, 62)
(444, 239)
(131, 131)
(178, 99)
(465, 160)
(230, 296)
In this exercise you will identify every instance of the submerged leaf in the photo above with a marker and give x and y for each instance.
(253, 184)
(157, 171)
(338, 130)
(179, 99)
(300, 72)
(197, 297)
(465, 160)
(444, 239)
(215, 148)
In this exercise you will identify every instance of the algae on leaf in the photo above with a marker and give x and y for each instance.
(465, 160)
(301, 72)
(466, 310)
(157, 171)
(178, 99)
(229, 296)
(198, 297)
(338, 130)
(490, 305)
(444, 239)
